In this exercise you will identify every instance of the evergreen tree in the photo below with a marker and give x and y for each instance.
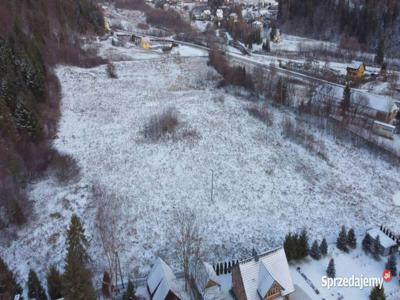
(367, 243)
(376, 248)
(346, 101)
(380, 52)
(315, 251)
(351, 239)
(289, 246)
(324, 247)
(391, 265)
(341, 242)
(35, 289)
(266, 46)
(106, 286)
(8, 283)
(77, 279)
(130, 292)
(377, 294)
(217, 269)
(331, 271)
(303, 241)
(54, 283)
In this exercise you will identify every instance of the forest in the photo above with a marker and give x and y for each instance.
(34, 36)
(367, 23)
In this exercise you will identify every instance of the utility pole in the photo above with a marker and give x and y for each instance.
(212, 184)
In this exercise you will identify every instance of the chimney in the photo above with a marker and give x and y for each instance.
(255, 255)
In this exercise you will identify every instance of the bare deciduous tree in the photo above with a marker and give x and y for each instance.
(108, 217)
(188, 237)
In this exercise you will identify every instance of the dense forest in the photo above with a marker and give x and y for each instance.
(34, 36)
(367, 22)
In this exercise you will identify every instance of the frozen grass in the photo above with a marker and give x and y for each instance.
(264, 184)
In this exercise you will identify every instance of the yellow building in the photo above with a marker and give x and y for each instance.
(356, 70)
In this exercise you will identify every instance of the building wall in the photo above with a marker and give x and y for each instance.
(237, 284)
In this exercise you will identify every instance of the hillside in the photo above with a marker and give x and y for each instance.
(264, 184)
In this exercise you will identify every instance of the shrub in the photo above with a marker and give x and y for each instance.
(65, 167)
(161, 125)
(262, 114)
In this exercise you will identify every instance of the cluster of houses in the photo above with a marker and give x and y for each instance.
(264, 276)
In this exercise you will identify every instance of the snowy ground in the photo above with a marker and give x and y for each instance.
(264, 185)
(347, 264)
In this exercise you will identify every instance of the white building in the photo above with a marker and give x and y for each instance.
(161, 282)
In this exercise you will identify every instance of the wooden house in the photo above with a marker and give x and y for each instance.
(204, 281)
(388, 243)
(263, 277)
(356, 70)
(161, 282)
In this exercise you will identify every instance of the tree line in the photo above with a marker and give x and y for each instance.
(369, 21)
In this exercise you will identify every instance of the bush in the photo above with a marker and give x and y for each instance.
(161, 125)
(262, 114)
(65, 167)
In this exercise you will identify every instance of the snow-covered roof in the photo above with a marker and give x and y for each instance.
(385, 241)
(265, 281)
(164, 288)
(356, 65)
(203, 273)
(159, 273)
(376, 102)
(260, 275)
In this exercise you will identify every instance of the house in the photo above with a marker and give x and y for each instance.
(263, 277)
(356, 70)
(388, 242)
(161, 282)
(204, 281)
(384, 129)
(375, 107)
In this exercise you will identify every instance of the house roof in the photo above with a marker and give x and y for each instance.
(265, 281)
(356, 65)
(159, 273)
(385, 241)
(203, 273)
(260, 275)
(376, 102)
(164, 288)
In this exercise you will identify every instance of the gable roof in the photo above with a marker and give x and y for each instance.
(164, 288)
(384, 240)
(260, 275)
(265, 281)
(355, 65)
(159, 272)
(203, 274)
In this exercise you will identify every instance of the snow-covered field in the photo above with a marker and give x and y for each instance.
(355, 263)
(264, 184)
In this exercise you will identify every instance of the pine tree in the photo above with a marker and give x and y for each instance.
(35, 289)
(380, 52)
(315, 251)
(331, 271)
(130, 292)
(54, 283)
(324, 247)
(351, 239)
(376, 248)
(367, 243)
(342, 240)
(217, 269)
(346, 101)
(106, 286)
(77, 279)
(8, 283)
(303, 244)
(377, 294)
(391, 265)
